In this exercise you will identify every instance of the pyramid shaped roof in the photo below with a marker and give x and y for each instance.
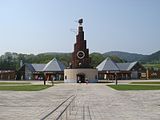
(38, 67)
(54, 65)
(126, 66)
(107, 65)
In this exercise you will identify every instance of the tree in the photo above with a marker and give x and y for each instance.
(96, 59)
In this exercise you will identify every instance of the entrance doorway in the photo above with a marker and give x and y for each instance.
(81, 78)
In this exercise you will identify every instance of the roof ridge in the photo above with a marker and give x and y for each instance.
(105, 61)
(132, 64)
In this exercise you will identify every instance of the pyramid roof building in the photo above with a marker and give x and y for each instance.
(54, 65)
(108, 65)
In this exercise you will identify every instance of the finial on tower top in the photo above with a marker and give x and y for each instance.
(80, 21)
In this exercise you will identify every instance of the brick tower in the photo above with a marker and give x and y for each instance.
(80, 69)
(80, 56)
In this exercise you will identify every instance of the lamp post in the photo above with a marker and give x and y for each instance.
(116, 78)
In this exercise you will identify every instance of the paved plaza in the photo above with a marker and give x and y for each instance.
(93, 102)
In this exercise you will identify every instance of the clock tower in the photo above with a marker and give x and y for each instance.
(80, 69)
(80, 56)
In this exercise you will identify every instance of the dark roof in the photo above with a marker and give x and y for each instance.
(123, 66)
(30, 67)
(54, 65)
(38, 67)
(107, 65)
(126, 66)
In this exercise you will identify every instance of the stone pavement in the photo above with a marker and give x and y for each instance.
(105, 103)
(32, 105)
(93, 102)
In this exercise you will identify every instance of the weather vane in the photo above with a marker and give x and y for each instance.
(80, 21)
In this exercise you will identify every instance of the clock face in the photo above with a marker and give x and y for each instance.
(80, 54)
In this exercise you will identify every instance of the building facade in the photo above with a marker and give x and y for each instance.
(53, 70)
(110, 70)
(7, 75)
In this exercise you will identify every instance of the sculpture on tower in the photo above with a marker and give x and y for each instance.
(80, 21)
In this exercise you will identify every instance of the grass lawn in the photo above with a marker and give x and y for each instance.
(14, 83)
(135, 87)
(145, 83)
(25, 87)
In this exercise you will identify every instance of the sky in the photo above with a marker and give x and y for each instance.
(38, 26)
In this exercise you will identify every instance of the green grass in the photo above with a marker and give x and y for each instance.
(14, 83)
(151, 65)
(25, 87)
(135, 87)
(145, 83)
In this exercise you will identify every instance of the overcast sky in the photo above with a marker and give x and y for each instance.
(37, 26)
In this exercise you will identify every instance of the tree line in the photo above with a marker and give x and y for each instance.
(11, 61)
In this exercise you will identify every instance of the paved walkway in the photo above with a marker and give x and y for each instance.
(93, 102)
(107, 104)
(20, 105)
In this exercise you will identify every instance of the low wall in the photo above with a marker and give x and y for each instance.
(70, 75)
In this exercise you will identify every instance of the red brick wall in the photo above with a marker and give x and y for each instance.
(80, 45)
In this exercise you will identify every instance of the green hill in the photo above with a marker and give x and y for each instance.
(153, 58)
(129, 57)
